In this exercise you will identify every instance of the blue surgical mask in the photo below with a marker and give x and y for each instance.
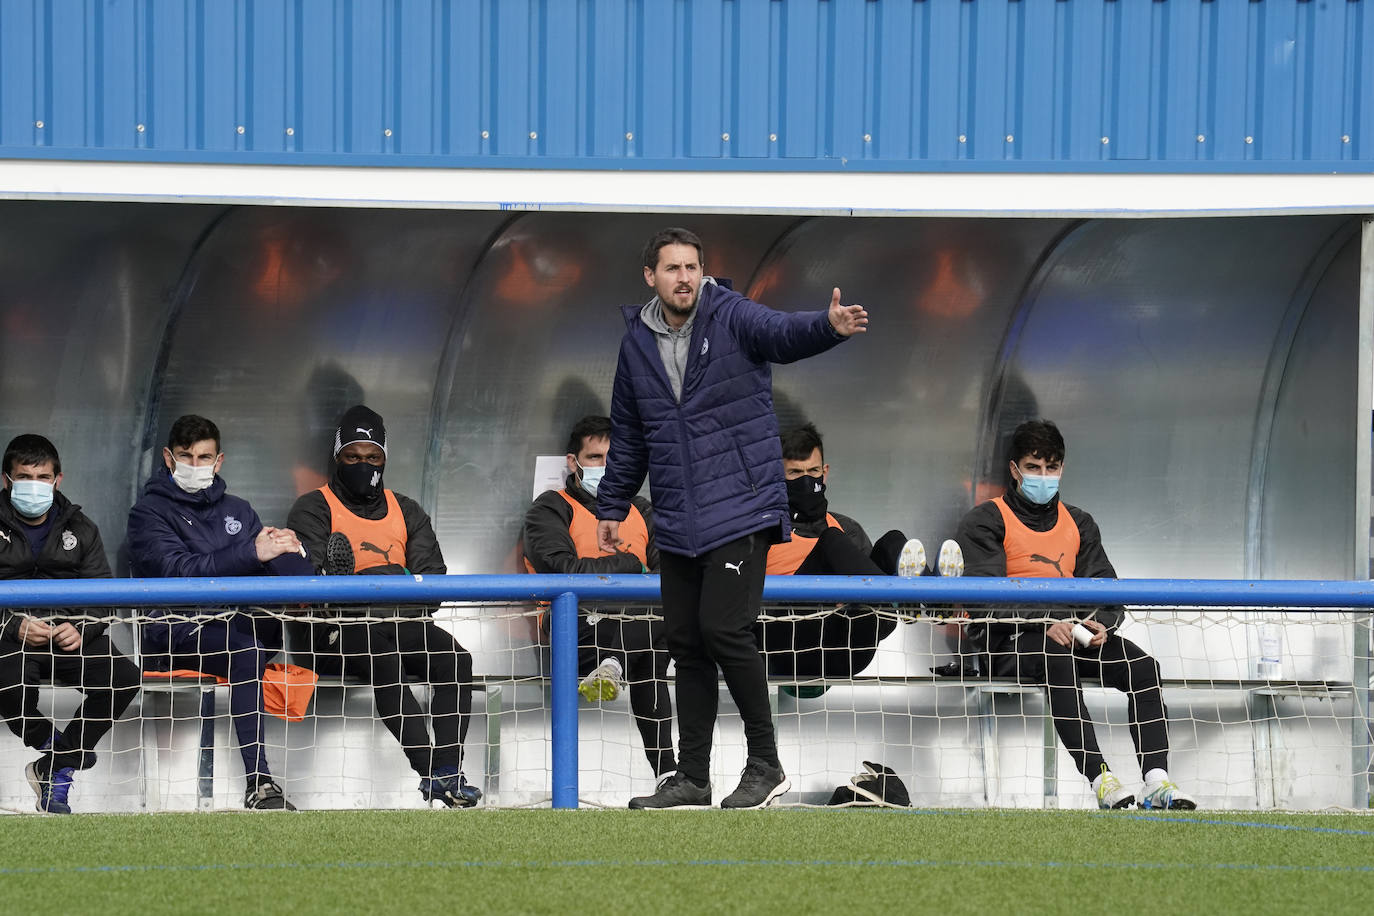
(1039, 489)
(31, 498)
(591, 478)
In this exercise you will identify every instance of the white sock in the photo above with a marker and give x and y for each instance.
(614, 663)
(1156, 775)
(1097, 780)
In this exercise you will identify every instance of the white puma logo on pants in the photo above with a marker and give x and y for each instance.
(735, 567)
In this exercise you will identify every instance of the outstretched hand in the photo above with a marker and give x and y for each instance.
(847, 319)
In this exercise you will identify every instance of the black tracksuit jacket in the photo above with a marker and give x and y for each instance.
(73, 551)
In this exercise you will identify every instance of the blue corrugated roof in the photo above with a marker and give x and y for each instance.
(1187, 85)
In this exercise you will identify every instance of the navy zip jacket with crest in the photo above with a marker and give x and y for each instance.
(173, 534)
(713, 460)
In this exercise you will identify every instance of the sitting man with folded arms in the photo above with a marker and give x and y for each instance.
(187, 525)
(46, 536)
(843, 642)
(1031, 533)
(353, 524)
(560, 537)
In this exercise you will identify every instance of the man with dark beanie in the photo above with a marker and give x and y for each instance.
(353, 524)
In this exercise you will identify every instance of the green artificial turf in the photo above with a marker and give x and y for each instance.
(621, 862)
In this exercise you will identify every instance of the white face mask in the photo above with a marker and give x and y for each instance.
(193, 479)
(591, 478)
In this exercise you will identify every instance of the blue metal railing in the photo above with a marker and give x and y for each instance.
(566, 592)
(1303, 593)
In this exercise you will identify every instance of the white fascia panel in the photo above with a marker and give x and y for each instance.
(702, 191)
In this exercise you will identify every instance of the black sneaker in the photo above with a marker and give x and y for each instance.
(266, 795)
(451, 788)
(675, 791)
(759, 784)
(338, 555)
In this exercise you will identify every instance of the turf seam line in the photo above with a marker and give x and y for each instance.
(710, 863)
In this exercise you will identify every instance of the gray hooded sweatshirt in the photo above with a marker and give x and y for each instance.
(674, 344)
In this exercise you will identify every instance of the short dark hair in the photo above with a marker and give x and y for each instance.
(189, 430)
(1037, 439)
(800, 441)
(670, 236)
(592, 427)
(33, 449)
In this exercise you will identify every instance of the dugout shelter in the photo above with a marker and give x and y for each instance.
(1151, 222)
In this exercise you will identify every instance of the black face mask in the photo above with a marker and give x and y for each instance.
(806, 498)
(361, 481)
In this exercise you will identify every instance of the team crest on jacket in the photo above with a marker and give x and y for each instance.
(232, 525)
(68, 540)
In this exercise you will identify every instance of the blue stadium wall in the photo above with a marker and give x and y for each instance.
(1192, 85)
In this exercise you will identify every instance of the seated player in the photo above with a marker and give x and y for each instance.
(187, 524)
(46, 536)
(825, 543)
(382, 532)
(559, 536)
(1031, 533)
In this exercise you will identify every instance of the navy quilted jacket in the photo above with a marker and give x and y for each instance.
(173, 534)
(714, 461)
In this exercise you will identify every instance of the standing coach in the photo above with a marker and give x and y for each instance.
(693, 409)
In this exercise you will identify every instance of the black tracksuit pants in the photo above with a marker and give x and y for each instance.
(639, 646)
(383, 654)
(1117, 663)
(109, 681)
(710, 605)
(843, 643)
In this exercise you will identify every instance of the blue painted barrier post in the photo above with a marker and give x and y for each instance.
(565, 700)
